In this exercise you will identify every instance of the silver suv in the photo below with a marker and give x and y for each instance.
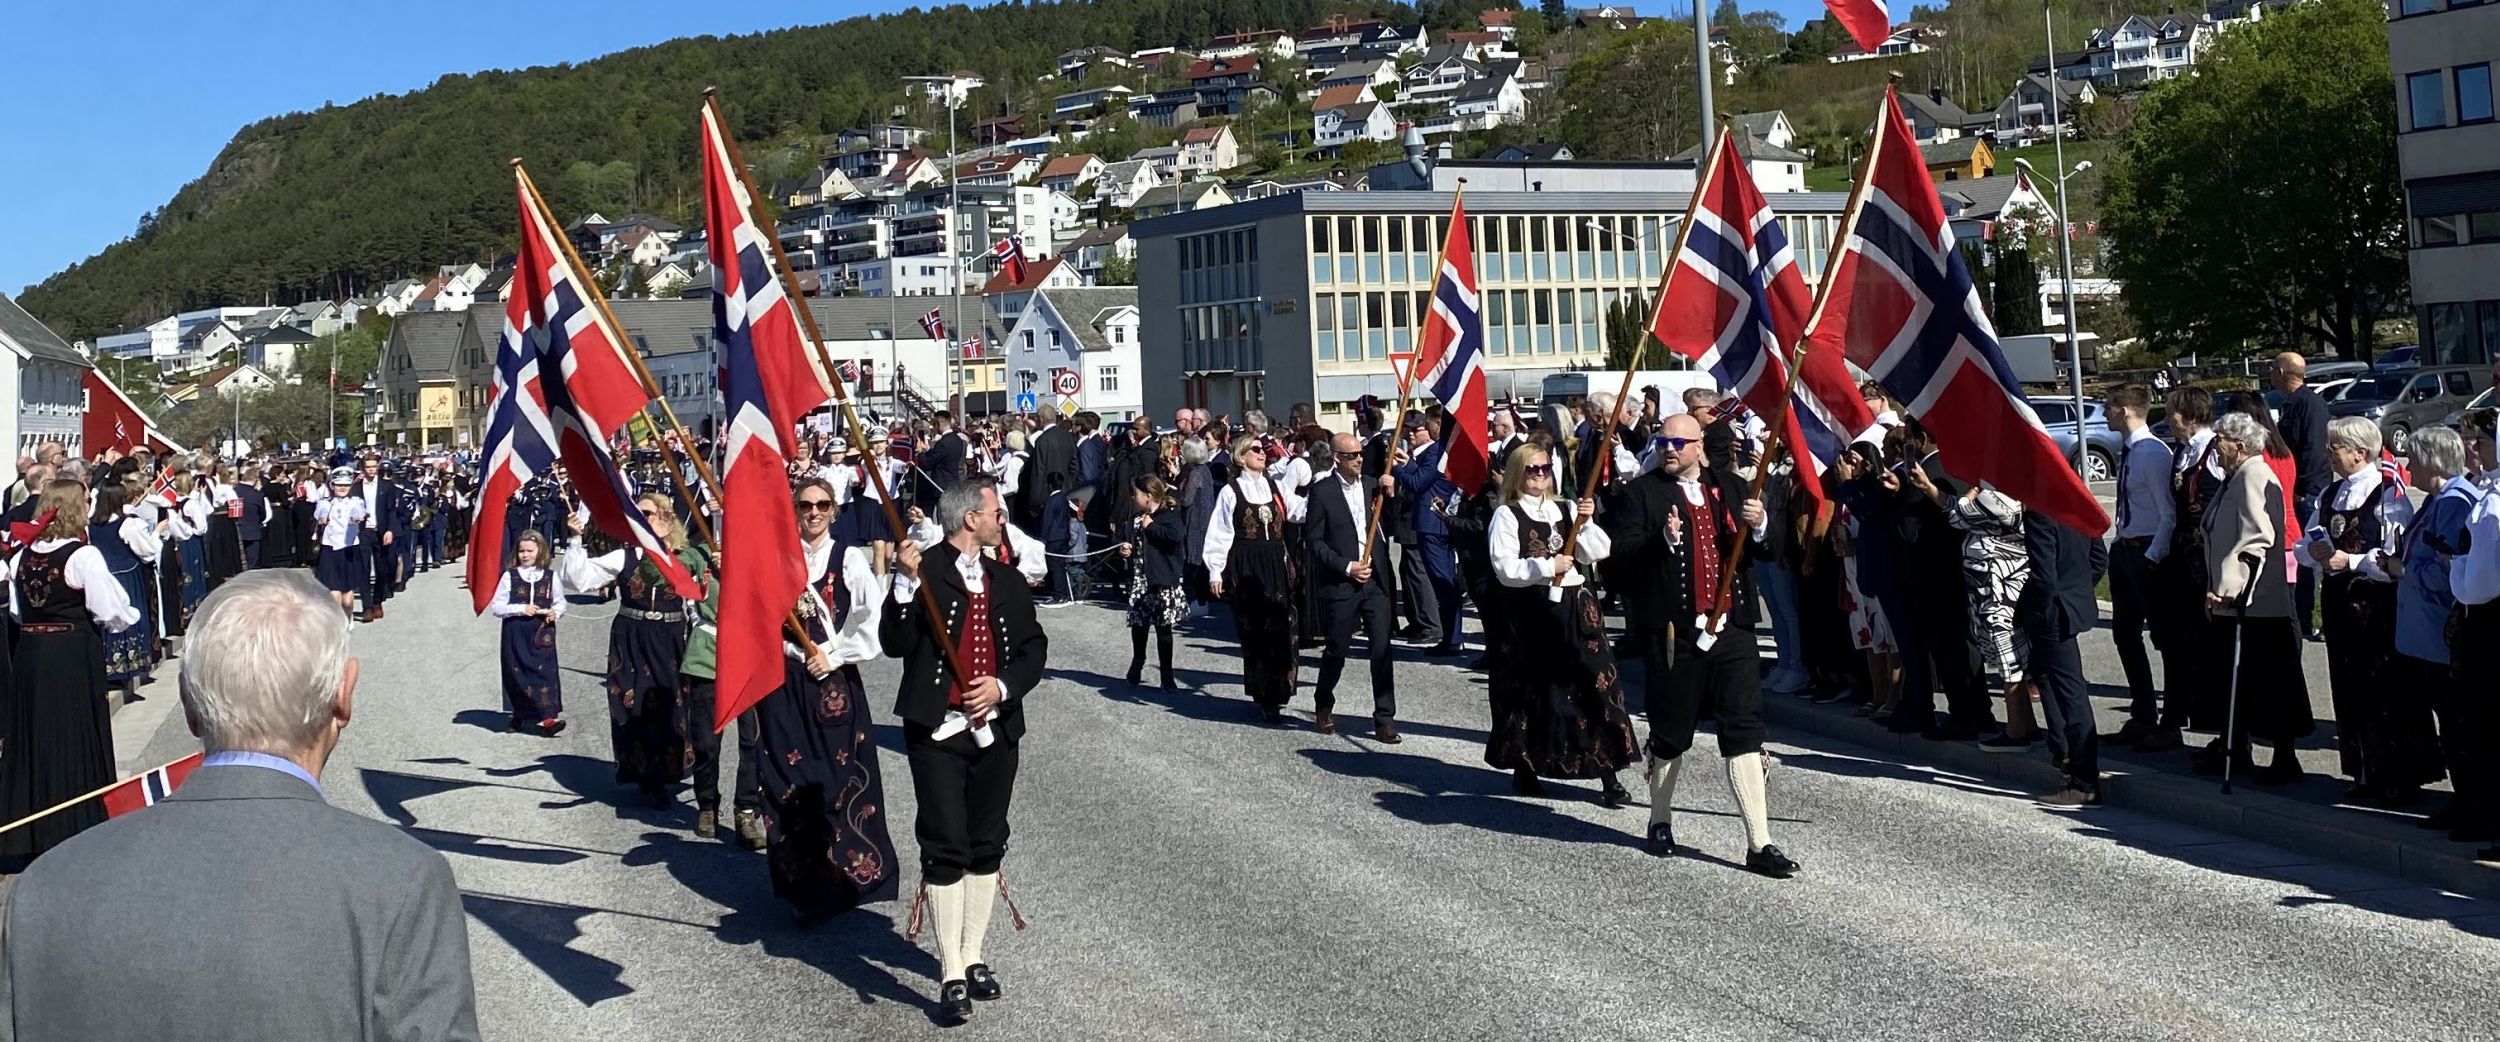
(2427, 398)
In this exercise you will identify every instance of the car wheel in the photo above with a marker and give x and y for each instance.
(2098, 466)
(2398, 438)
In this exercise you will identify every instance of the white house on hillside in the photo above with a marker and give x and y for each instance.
(1772, 128)
(1067, 173)
(2140, 49)
(45, 378)
(273, 351)
(1121, 183)
(1209, 150)
(1090, 333)
(1358, 121)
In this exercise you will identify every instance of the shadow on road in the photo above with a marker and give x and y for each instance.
(543, 934)
(591, 780)
(1438, 793)
(494, 720)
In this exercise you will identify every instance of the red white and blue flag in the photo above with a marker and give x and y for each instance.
(562, 384)
(934, 324)
(1869, 22)
(1739, 306)
(1449, 358)
(147, 790)
(771, 381)
(1009, 253)
(1903, 307)
(974, 347)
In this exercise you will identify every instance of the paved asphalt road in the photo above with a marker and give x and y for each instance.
(1191, 875)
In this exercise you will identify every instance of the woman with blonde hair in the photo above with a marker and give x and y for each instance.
(529, 600)
(647, 723)
(56, 725)
(1557, 694)
(1246, 558)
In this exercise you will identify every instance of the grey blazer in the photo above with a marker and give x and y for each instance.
(241, 908)
(2244, 542)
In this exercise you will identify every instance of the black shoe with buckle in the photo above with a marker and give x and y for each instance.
(954, 1002)
(1661, 841)
(1768, 861)
(982, 984)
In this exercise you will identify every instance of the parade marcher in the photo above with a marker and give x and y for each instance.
(340, 518)
(128, 544)
(2418, 684)
(380, 534)
(225, 525)
(2179, 622)
(2359, 526)
(1995, 564)
(311, 487)
(1155, 598)
(193, 507)
(281, 541)
(2250, 602)
(1197, 506)
(1351, 587)
(1064, 539)
(1683, 520)
(1938, 656)
(1246, 561)
(2056, 610)
(700, 671)
(1557, 695)
(56, 724)
(647, 718)
(2302, 426)
(2474, 643)
(428, 522)
(962, 734)
(251, 521)
(825, 833)
(1430, 563)
(529, 601)
(1864, 540)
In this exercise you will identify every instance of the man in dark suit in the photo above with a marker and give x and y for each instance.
(961, 734)
(1430, 567)
(384, 518)
(2057, 608)
(1052, 468)
(1938, 600)
(244, 907)
(255, 514)
(1351, 588)
(942, 461)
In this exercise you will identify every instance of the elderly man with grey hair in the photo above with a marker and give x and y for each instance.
(2355, 533)
(243, 906)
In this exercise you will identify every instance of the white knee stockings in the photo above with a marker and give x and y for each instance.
(1745, 782)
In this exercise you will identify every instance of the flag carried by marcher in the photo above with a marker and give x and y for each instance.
(142, 791)
(1902, 305)
(934, 324)
(1449, 357)
(771, 383)
(562, 386)
(1869, 22)
(1735, 304)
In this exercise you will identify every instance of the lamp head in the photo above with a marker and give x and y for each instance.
(2082, 166)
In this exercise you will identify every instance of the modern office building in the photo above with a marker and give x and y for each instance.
(1303, 298)
(2448, 144)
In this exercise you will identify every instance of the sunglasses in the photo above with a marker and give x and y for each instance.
(1672, 444)
(816, 506)
(1539, 470)
(1349, 455)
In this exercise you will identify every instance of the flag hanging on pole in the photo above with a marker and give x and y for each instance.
(1740, 306)
(1449, 356)
(771, 382)
(934, 324)
(1902, 305)
(562, 386)
(1869, 22)
(1009, 253)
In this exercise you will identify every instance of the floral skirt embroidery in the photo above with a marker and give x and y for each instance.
(533, 688)
(1154, 605)
(824, 815)
(647, 724)
(1557, 695)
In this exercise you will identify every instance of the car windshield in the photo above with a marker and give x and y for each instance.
(2377, 388)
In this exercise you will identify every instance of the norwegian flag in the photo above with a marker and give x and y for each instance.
(1009, 253)
(1869, 21)
(1450, 356)
(973, 348)
(1740, 303)
(772, 383)
(849, 370)
(934, 324)
(142, 791)
(164, 488)
(562, 383)
(1902, 305)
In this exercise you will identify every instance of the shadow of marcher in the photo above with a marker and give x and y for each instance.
(863, 949)
(593, 780)
(494, 720)
(544, 934)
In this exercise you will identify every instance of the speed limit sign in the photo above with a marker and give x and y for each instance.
(1065, 382)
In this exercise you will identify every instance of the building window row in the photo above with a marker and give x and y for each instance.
(1402, 250)
(2462, 333)
(2448, 97)
(2457, 229)
(1351, 327)
(1220, 265)
(1222, 338)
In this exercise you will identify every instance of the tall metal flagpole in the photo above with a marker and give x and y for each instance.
(2065, 230)
(1701, 62)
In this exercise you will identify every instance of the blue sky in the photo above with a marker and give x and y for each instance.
(114, 105)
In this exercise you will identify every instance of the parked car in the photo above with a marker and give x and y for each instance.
(2456, 420)
(2396, 359)
(2103, 446)
(2364, 396)
(2429, 395)
(2321, 372)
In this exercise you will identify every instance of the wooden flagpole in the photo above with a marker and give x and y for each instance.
(841, 390)
(616, 334)
(1406, 380)
(1640, 349)
(1772, 438)
(84, 797)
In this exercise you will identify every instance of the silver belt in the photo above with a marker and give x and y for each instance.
(651, 616)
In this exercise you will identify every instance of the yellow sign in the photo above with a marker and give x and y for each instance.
(434, 407)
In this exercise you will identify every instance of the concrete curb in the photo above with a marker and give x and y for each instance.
(2353, 837)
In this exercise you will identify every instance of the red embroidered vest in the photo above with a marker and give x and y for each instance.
(974, 647)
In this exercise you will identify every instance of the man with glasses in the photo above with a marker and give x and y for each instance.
(1674, 527)
(1350, 585)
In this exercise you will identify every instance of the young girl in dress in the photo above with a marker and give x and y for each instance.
(529, 602)
(340, 518)
(1155, 597)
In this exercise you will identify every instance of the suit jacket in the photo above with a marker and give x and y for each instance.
(390, 512)
(244, 908)
(1160, 547)
(1052, 468)
(255, 512)
(1427, 492)
(1651, 573)
(943, 460)
(2057, 602)
(2244, 542)
(1015, 632)
(1336, 541)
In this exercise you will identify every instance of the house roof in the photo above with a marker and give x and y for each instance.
(1035, 273)
(1536, 152)
(223, 373)
(1097, 237)
(308, 310)
(1759, 124)
(496, 280)
(1338, 26)
(1749, 148)
(1085, 308)
(431, 339)
(1494, 16)
(1010, 119)
(1481, 88)
(993, 166)
(1363, 69)
(37, 339)
(1958, 150)
(2042, 83)
(1358, 112)
(1986, 197)
(1153, 152)
(2063, 59)
(1340, 96)
(1175, 194)
(1205, 135)
(657, 224)
(1482, 39)
(1937, 109)
(1208, 68)
(1125, 170)
(1069, 166)
(433, 288)
(282, 334)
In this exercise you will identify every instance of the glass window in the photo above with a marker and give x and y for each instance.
(2440, 231)
(1349, 319)
(2430, 101)
(1588, 322)
(1516, 240)
(2490, 323)
(1544, 299)
(1397, 235)
(2413, 7)
(1376, 324)
(1567, 318)
(1586, 264)
(1323, 270)
(2484, 226)
(2462, 382)
(1324, 321)
(1401, 328)
(1540, 263)
(2446, 345)
(1609, 248)
(1496, 323)
(2474, 93)
(1319, 235)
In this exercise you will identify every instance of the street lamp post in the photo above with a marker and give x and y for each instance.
(2066, 274)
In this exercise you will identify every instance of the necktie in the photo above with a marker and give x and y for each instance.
(2126, 499)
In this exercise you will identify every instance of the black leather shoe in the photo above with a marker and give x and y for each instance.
(1526, 784)
(1661, 840)
(1768, 861)
(954, 1003)
(980, 982)
(1612, 794)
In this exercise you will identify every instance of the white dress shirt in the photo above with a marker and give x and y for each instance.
(2145, 493)
(969, 567)
(372, 493)
(140, 535)
(1252, 486)
(1358, 507)
(1517, 571)
(2475, 576)
(857, 640)
(87, 573)
(504, 607)
(340, 517)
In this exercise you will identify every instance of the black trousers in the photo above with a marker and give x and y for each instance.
(963, 791)
(1337, 618)
(384, 578)
(2130, 597)
(2056, 666)
(1940, 612)
(2469, 731)
(701, 704)
(1725, 681)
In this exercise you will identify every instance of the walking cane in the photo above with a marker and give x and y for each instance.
(2239, 646)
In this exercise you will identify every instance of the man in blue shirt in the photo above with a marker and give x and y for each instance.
(1434, 501)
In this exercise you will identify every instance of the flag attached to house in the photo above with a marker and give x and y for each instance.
(772, 382)
(1450, 357)
(563, 386)
(1869, 22)
(1902, 306)
(1734, 303)
(934, 324)
(1009, 253)
(142, 791)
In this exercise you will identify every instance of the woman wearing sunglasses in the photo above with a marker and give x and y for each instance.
(1245, 557)
(1557, 695)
